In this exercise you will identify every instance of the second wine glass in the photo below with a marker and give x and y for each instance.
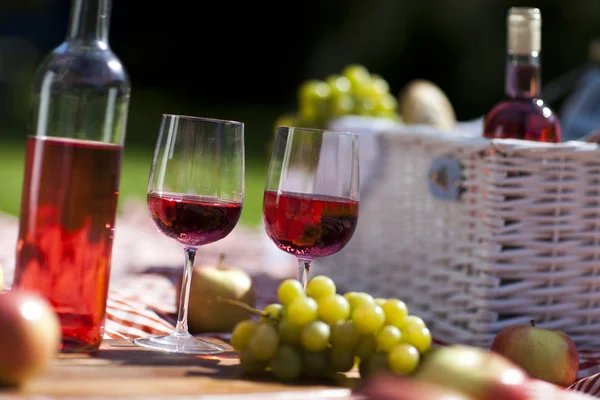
(311, 198)
(195, 196)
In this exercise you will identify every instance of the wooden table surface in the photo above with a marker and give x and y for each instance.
(123, 370)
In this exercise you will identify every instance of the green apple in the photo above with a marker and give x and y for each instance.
(210, 284)
(545, 354)
(476, 372)
(390, 387)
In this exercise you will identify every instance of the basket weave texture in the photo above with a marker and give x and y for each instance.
(519, 239)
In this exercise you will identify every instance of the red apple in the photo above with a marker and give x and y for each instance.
(29, 336)
(545, 354)
(478, 373)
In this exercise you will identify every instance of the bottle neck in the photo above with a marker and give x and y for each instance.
(89, 21)
(523, 75)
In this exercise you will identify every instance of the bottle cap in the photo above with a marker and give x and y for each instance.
(524, 30)
(594, 51)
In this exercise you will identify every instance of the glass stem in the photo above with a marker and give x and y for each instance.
(303, 271)
(184, 298)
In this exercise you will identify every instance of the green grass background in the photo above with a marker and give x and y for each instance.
(134, 179)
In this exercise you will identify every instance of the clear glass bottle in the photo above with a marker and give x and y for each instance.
(72, 173)
(522, 114)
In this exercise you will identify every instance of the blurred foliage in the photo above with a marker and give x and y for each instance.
(261, 61)
(240, 62)
(134, 180)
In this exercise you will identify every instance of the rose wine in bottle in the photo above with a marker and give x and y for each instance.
(522, 114)
(72, 171)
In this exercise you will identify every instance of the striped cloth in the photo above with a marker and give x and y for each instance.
(144, 304)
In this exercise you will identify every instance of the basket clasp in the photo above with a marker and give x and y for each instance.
(445, 178)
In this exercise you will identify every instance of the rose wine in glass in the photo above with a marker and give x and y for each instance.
(522, 114)
(193, 220)
(310, 204)
(71, 181)
(195, 196)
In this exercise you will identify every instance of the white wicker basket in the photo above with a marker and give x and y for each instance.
(521, 242)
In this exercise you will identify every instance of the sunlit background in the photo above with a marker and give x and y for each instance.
(245, 60)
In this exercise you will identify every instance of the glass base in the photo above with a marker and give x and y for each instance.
(182, 343)
(71, 345)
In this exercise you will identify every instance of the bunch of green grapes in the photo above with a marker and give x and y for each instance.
(353, 92)
(320, 333)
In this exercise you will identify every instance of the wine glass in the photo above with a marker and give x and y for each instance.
(195, 196)
(310, 204)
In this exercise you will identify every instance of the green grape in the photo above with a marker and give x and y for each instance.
(309, 113)
(397, 118)
(374, 87)
(341, 360)
(289, 333)
(386, 104)
(342, 105)
(338, 85)
(333, 308)
(286, 120)
(315, 336)
(344, 335)
(320, 286)
(387, 338)
(357, 75)
(286, 365)
(395, 311)
(313, 99)
(272, 312)
(289, 290)
(368, 318)
(380, 114)
(412, 320)
(357, 298)
(379, 85)
(379, 301)
(314, 89)
(418, 336)
(302, 311)
(403, 358)
(251, 365)
(366, 347)
(315, 364)
(366, 106)
(373, 365)
(242, 333)
(264, 342)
